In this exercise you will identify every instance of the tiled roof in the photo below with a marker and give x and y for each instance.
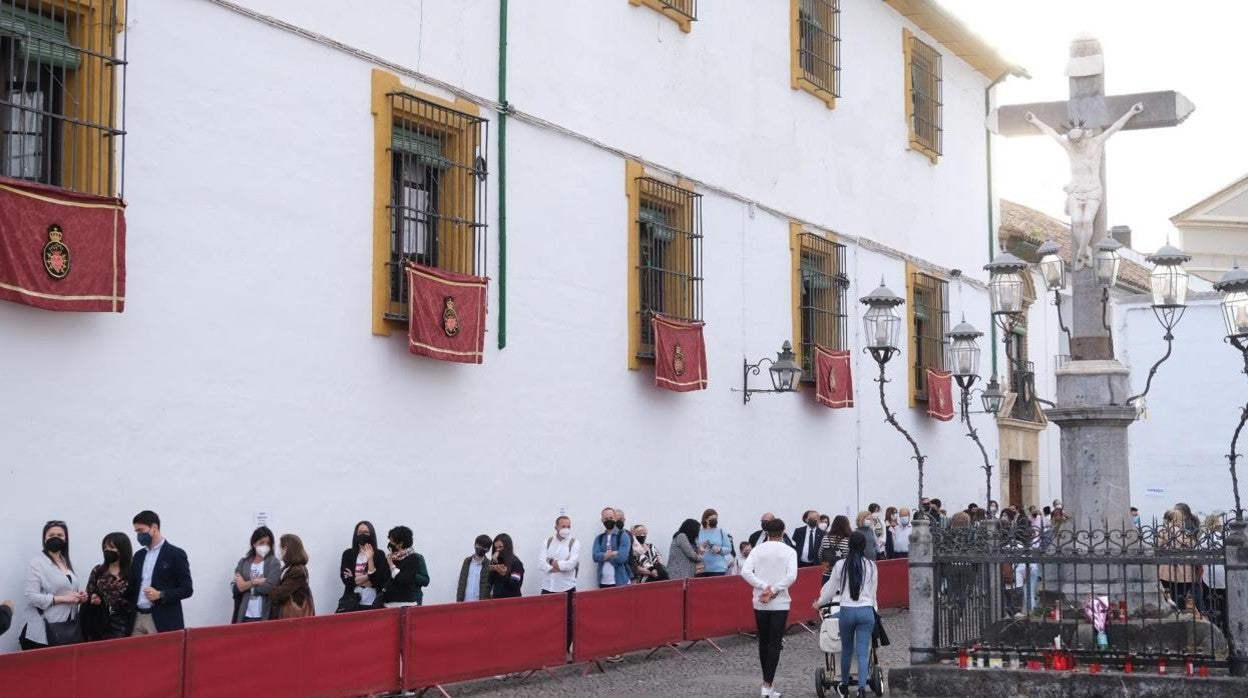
(1023, 229)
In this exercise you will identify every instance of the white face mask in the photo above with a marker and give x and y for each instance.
(905, 520)
(263, 550)
(565, 533)
(823, 526)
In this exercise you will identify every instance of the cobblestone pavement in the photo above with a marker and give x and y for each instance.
(703, 671)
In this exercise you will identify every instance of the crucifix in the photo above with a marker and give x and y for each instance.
(1082, 124)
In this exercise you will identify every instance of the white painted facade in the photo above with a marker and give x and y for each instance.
(243, 376)
(1215, 230)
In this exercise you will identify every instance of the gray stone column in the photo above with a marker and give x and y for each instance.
(922, 595)
(1236, 594)
(993, 571)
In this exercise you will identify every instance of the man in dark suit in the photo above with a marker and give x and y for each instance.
(757, 535)
(807, 540)
(160, 578)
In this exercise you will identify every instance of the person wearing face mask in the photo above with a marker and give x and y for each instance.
(52, 589)
(900, 534)
(160, 579)
(684, 556)
(890, 520)
(808, 539)
(1135, 517)
(254, 577)
(761, 535)
(993, 508)
(506, 569)
(649, 563)
(108, 606)
(878, 528)
(612, 550)
(408, 573)
(717, 547)
(364, 571)
(474, 576)
(292, 597)
(558, 561)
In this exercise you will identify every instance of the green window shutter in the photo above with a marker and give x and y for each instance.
(655, 224)
(39, 39)
(426, 148)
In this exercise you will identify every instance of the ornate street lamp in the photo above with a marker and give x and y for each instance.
(992, 396)
(1053, 269)
(882, 323)
(784, 370)
(1105, 264)
(1005, 295)
(1169, 286)
(964, 358)
(1234, 290)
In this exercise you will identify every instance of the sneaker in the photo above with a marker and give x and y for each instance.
(843, 689)
(616, 659)
(862, 693)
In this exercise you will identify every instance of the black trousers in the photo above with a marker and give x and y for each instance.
(569, 593)
(771, 627)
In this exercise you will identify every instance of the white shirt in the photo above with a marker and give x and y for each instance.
(901, 538)
(149, 566)
(255, 603)
(866, 595)
(771, 565)
(567, 555)
(368, 595)
(606, 577)
(809, 552)
(472, 592)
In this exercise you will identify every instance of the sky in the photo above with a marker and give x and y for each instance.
(1192, 46)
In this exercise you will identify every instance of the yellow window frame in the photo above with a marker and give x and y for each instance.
(799, 77)
(459, 207)
(683, 21)
(798, 248)
(916, 142)
(919, 394)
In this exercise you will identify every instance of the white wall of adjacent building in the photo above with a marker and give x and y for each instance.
(243, 376)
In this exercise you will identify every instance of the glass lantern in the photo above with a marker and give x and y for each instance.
(992, 396)
(1005, 284)
(964, 349)
(785, 371)
(1106, 261)
(1052, 266)
(882, 321)
(1169, 278)
(1234, 290)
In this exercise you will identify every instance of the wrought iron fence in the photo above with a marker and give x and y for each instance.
(1018, 591)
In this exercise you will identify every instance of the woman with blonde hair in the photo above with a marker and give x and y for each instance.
(292, 597)
(1176, 579)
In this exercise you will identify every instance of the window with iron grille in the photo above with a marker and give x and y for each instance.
(821, 287)
(64, 80)
(683, 12)
(924, 96)
(929, 304)
(669, 269)
(817, 48)
(437, 192)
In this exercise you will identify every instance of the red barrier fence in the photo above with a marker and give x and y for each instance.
(348, 654)
(635, 617)
(139, 667)
(457, 642)
(716, 606)
(803, 593)
(894, 587)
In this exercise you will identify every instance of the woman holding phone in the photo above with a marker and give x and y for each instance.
(506, 570)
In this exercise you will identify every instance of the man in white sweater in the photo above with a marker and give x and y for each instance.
(771, 569)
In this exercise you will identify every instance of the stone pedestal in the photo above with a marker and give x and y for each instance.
(1237, 594)
(922, 595)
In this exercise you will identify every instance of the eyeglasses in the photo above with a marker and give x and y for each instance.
(55, 522)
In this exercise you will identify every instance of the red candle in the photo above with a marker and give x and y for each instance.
(1127, 666)
(1188, 667)
(1161, 666)
(1204, 671)
(1094, 668)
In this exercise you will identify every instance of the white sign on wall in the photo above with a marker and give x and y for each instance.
(1154, 492)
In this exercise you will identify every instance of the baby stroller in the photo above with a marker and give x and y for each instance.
(826, 676)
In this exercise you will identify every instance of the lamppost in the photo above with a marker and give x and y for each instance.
(1168, 282)
(964, 358)
(1053, 269)
(883, 327)
(1234, 290)
(1105, 264)
(784, 370)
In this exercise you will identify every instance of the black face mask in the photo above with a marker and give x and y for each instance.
(762, 524)
(480, 550)
(111, 556)
(393, 548)
(363, 539)
(54, 545)
(641, 539)
(608, 524)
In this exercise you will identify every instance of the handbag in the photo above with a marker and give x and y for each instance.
(661, 571)
(64, 632)
(349, 603)
(699, 567)
(294, 609)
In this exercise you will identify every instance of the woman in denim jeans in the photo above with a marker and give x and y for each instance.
(854, 581)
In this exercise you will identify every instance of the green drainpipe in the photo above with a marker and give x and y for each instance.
(502, 173)
(1017, 72)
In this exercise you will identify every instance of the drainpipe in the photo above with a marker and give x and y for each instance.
(1016, 71)
(502, 173)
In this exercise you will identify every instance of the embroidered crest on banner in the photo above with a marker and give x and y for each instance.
(678, 361)
(832, 379)
(450, 319)
(56, 253)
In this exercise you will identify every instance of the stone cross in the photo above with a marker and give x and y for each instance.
(1091, 109)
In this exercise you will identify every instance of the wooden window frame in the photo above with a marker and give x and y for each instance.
(799, 77)
(385, 114)
(799, 235)
(918, 387)
(931, 150)
(684, 21)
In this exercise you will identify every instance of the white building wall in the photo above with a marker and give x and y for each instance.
(243, 376)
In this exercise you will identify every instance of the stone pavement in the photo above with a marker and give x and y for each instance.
(703, 672)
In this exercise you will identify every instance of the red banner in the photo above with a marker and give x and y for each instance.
(334, 655)
(141, 667)
(462, 641)
(716, 606)
(803, 593)
(940, 395)
(834, 383)
(635, 617)
(894, 587)
(60, 250)
(446, 314)
(679, 354)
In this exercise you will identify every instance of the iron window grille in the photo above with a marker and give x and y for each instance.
(437, 193)
(64, 83)
(1023, 384)
(926, 91)
(819, 50)
(822, 303)
(685, 8)
(931, 322)
(670, 260)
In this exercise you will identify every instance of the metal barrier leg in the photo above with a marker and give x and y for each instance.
(590, 665)
(673, 647)
(708, 641)
(439, 689)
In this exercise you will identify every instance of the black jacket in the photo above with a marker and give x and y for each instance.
(380, 577)
(508, 584)
(6, 617)
(758, 535)
(171, 577)
(407, 586)
(799, 544)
